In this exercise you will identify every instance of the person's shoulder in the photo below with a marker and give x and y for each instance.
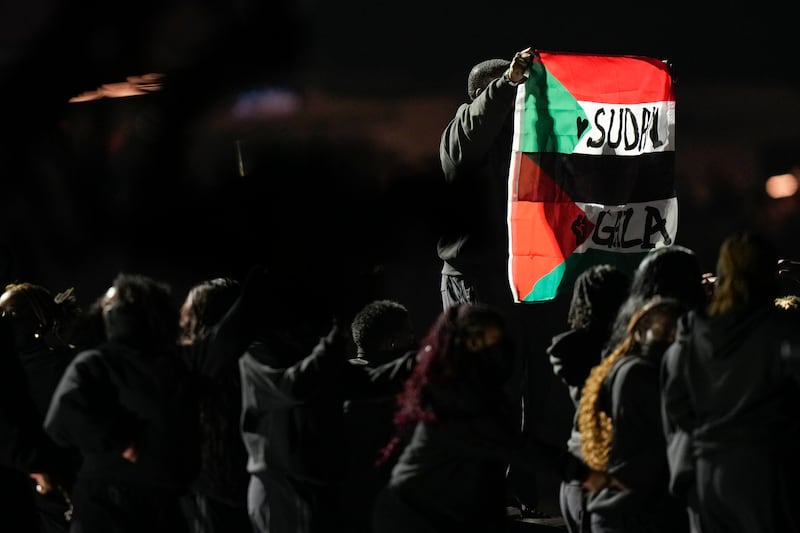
(402, 364)
(631, 371)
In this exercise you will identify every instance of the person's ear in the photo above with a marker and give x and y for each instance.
(478, 91)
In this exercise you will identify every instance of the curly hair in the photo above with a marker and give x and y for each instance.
(595, 425)
(138, 310)
(45, 312)
(596, 296)
(445, 357)
(382, 327)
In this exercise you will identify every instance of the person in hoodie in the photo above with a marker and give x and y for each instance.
(456, 435)
(386, 348)
(295, 379)
(475, 158)
(730, 382)
(213, 334)
(596, 297)
(621, 436)
(129, 405)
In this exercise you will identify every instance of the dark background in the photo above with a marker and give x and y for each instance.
(307, 132)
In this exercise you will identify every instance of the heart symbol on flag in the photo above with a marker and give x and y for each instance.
(582, 124)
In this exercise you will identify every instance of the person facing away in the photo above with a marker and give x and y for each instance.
(596, 297)
(451, 472)
(26, 451)
(42, 324)
(295, 378)
(217, 501)
(622, 441)
(386, 348)
(731, 381)
(130, 406)
(668, 271)
(475, 155)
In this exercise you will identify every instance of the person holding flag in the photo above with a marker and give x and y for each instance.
(475, 153)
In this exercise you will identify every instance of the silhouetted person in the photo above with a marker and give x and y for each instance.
(42, 328)
(451, 475)
(130, 406)
(25, 449)
(386, 348)
(475, 155)
(294, 383)
(622, 440)
(731, 383)
(217, 501)
(596, 297)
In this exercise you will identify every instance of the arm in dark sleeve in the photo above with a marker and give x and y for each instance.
(386, 380)
(321, 371)
(471, 133)
(85, 411)
(228, 339)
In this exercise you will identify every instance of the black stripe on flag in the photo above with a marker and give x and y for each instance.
(606, 179)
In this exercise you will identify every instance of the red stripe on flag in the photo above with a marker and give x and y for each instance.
(535, 249)
(546, 226)
(611, 79)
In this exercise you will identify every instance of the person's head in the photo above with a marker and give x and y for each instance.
(596, 297)
(746, 272)
(138, 311)
(36, 316)
(483, 73)
(670, 272)
(381, 331)
(649, 332)
(467, 346)
(465, 337)
(205, 305)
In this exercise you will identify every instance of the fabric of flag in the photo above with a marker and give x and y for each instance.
(592, 168)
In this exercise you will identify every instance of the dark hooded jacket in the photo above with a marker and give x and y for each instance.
(475, 154)
(731, 383)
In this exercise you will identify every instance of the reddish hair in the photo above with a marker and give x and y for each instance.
(440, 362)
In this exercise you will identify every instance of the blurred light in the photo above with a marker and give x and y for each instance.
(781, 185)
(132, 86)
(270, 102)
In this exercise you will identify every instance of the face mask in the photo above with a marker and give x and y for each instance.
(495, 363)
(654, 350)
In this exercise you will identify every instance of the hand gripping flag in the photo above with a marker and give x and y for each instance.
(592, 169)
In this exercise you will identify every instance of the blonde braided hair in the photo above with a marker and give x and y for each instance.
(595, 425)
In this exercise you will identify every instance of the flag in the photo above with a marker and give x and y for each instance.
(592, 169)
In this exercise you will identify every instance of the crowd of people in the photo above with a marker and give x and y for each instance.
(263, 405)
(242, 410)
